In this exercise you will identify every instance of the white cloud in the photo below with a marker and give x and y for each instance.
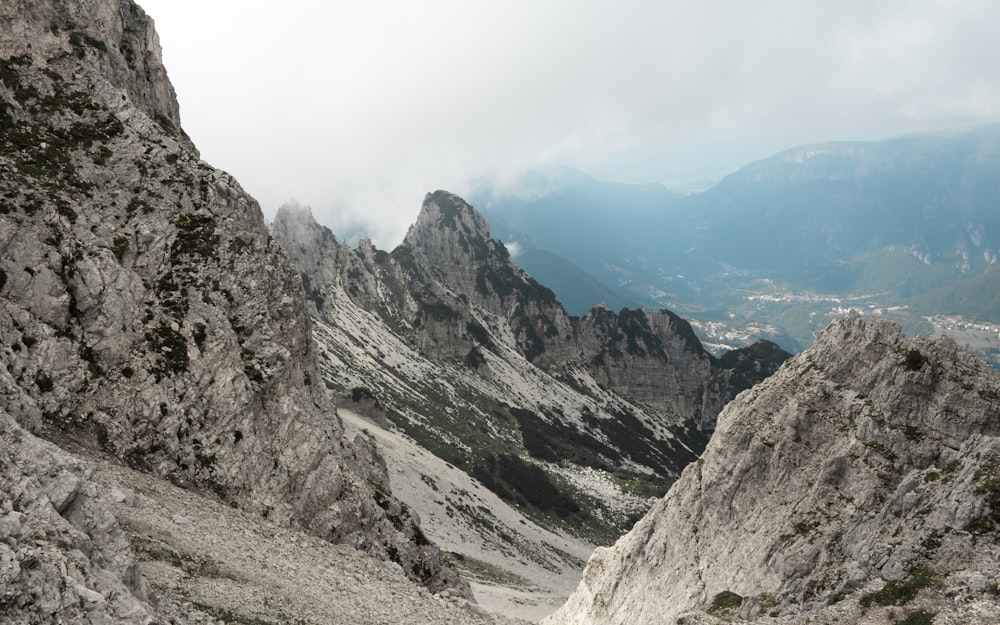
(358, 108)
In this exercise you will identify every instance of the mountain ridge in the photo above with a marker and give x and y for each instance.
(448, 342)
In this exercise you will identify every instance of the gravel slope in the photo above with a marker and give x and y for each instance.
(204, 556)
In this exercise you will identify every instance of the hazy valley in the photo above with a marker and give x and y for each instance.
(904, 228)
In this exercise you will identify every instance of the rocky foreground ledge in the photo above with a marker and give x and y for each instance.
(859, 484)
(90, 541)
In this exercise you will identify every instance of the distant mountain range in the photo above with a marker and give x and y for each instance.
(908, 226)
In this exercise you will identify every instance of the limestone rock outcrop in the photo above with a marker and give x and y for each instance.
(857, 484)
(145, 310)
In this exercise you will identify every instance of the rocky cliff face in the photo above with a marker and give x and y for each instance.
(857, 484)
(476, 360)
(145, 310)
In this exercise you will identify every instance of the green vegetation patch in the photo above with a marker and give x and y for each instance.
(683, 328)
(899, 592)
(639, 337)
(450, 209)
(914, 360)
(502, 279)
(988, 487)
(554, 441)
(10, 76)
(849, 587)
(920, 617)
(170, 348)
(43, 382)
(50, 128)
(523, 483)
(725, 602)
(400, 520)
(120, 246)
(197, 236)
(749, 365)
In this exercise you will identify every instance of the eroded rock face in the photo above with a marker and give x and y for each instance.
(868, 460)
(144, 308)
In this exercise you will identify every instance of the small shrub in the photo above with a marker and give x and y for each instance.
(920, 617)
(199, 335)
(102, 156)
(932, 541)
(120, 247)
(253, 373)
(848, 588)
(914, 360)
(726, 600)
(166, 125)
(43, 382)
(899, 592)
(913, 433)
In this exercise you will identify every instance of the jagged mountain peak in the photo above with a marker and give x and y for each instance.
(866, 465)
(450, 244)
(448, 230)
(298, 225)
(444, 210)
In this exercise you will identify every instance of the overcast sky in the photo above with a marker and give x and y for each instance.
(359, 107)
